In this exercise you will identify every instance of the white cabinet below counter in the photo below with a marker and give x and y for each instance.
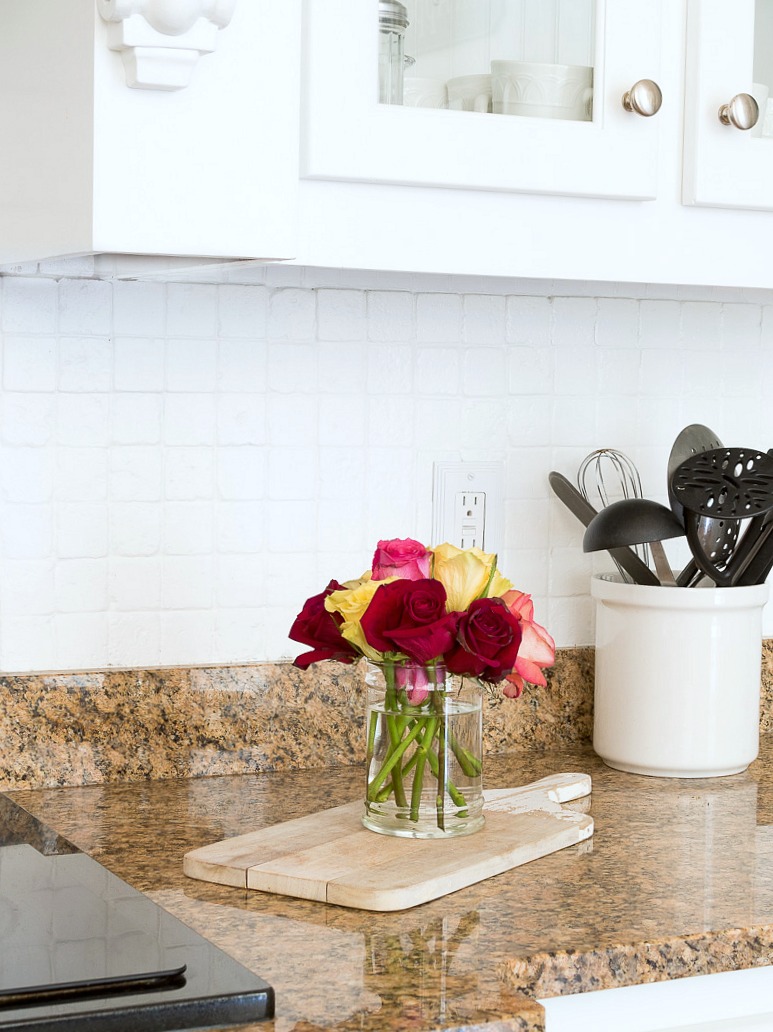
(731, 1001)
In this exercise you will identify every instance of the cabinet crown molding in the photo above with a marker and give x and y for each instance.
(161, 41)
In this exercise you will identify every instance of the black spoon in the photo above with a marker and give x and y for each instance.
(625, 557)
(635, 521)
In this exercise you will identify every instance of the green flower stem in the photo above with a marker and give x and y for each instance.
(398, 787)
(456, 796)
(371, 739)
(401, 724)
(418, 781)
(420, 757)
(431, 757)
(492, 571)
(392, 760)
(395, 729)
(438, 702)
(408, 767)
(471, 764)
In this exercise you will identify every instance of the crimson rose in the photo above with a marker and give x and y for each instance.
(315, 626)
(410, 616)
(488, 637)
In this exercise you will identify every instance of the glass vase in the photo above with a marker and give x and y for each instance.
(424, 752)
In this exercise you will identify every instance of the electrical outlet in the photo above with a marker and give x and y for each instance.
(470, 518)
(467, 504)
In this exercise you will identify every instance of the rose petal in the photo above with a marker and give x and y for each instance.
(537, 645)
(513, 686)
(530, 672)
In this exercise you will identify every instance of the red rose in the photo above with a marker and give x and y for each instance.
(404, 558)
(315, 626)
(489, 637)
(410, 616)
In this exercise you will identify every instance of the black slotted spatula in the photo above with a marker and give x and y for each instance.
(726, 484)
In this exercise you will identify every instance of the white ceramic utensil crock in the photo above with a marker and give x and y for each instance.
(678, 670)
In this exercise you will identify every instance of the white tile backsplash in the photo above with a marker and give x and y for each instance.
(29, 306)
(183, 464)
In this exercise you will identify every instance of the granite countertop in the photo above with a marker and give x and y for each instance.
(677, 880)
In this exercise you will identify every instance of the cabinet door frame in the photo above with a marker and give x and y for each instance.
(723, 166)
(348, 136)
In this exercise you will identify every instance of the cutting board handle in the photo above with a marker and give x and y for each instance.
(555, 789)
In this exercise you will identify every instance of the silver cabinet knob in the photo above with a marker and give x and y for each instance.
(643, 98)
(742, 112)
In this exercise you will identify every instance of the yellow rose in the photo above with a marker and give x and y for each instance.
(465, 573)
(499, 585)
(351, 602)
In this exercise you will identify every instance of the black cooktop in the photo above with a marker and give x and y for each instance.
(82, 950)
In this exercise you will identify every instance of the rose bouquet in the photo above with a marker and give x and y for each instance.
(419, 616)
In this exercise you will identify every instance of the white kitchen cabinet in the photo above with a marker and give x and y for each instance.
(274, 146)
(349, 135)
(91, 164)
(462, 192)
(729, 1001)
(729, 53)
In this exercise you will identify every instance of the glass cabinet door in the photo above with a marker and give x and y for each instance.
(523, 95)
(728, 112)
(515, 57)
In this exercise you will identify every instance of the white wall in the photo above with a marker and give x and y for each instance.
(181, 465)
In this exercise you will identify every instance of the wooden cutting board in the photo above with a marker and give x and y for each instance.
(330, 857)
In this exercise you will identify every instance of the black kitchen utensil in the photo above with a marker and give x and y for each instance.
(625, 557)
(635, 521)
(718, 539)
(755, 564)
(693, 440)
(759, 566)
(718, 536)
(731, 484)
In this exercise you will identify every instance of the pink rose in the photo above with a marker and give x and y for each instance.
(403, 558)
(417, 681)
(537, 647)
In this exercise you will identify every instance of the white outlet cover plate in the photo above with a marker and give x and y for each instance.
(451, 478)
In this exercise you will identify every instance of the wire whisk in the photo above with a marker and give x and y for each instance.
(606, 476)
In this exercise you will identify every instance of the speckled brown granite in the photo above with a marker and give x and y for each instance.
(766, 693)
(125, 725)
(128, 725)
(677, 880)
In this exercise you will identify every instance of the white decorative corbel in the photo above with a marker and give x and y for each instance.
(162, 40)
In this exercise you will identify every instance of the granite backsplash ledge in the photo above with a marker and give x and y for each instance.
(128, 725)
(131, 725)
